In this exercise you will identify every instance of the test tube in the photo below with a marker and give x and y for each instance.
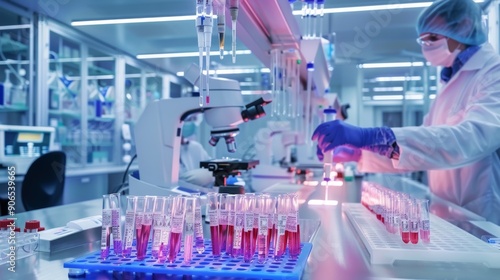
(158, 226)
(230, 205)
(263, 204)
(166, 228)
(139, 216)
(425, 224)
(280, 240)
(223, 220)
(239, 224)
(248, 248)
(189, 229)
(397, 213)
(129, 226)
(292, 226)
(116, 230)
(177, 225)
(213, 213)
(106, 227)
(273, 218)
(147, 223)
(328, 115)
(198, 226)
(389, 218)
(255, 229)
(414, 221)
(404, 209)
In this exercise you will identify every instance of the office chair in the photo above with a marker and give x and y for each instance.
(43, 184)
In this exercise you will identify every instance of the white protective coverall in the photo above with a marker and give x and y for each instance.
(459, 141)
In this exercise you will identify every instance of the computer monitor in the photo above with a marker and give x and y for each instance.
(21, 145)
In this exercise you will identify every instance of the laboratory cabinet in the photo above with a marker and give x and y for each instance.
(16, 64)
(92, 93)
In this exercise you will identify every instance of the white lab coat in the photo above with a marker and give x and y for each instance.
(190, 156)
(459, 141)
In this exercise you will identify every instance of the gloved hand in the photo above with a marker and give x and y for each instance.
(342, 154)
(201, 177)
(337, 133)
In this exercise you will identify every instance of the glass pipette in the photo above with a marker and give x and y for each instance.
(328, 115)
(221, 25)
(208, 43)
(321, 13)
(200, 20)
(233, 8)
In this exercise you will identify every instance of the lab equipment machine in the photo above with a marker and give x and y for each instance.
(21, 145)
(223, 168)
(158, 131)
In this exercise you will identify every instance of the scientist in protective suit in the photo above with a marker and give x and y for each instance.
(192, 152)
(459, 141)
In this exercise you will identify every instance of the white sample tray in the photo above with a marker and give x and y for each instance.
(448, 242)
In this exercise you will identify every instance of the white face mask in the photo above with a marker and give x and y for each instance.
(438, 54)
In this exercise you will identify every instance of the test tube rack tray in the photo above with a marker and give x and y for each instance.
(448, 242)
(201, 265)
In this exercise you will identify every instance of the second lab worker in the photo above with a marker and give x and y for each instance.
(459, 141)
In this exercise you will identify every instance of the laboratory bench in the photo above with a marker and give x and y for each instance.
(338, 252)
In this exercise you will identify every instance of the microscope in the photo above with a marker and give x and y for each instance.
(158, 133)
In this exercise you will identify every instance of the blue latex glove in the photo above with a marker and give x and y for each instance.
(338, 133)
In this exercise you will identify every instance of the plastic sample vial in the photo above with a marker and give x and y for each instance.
(106, 227)
(328, 115)
(425, 224)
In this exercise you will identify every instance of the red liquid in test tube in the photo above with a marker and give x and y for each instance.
(214, 234)
(223, 220)
(223, 237)
(213, 214)
(174, 245)
(229, 240)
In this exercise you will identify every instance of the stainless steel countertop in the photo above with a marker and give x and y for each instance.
(337, 253)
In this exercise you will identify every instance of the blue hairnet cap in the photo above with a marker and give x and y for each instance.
(460, 20)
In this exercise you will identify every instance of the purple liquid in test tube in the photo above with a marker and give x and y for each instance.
(116, 223)
(198, 226)
(106, 227)
(129, 226)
